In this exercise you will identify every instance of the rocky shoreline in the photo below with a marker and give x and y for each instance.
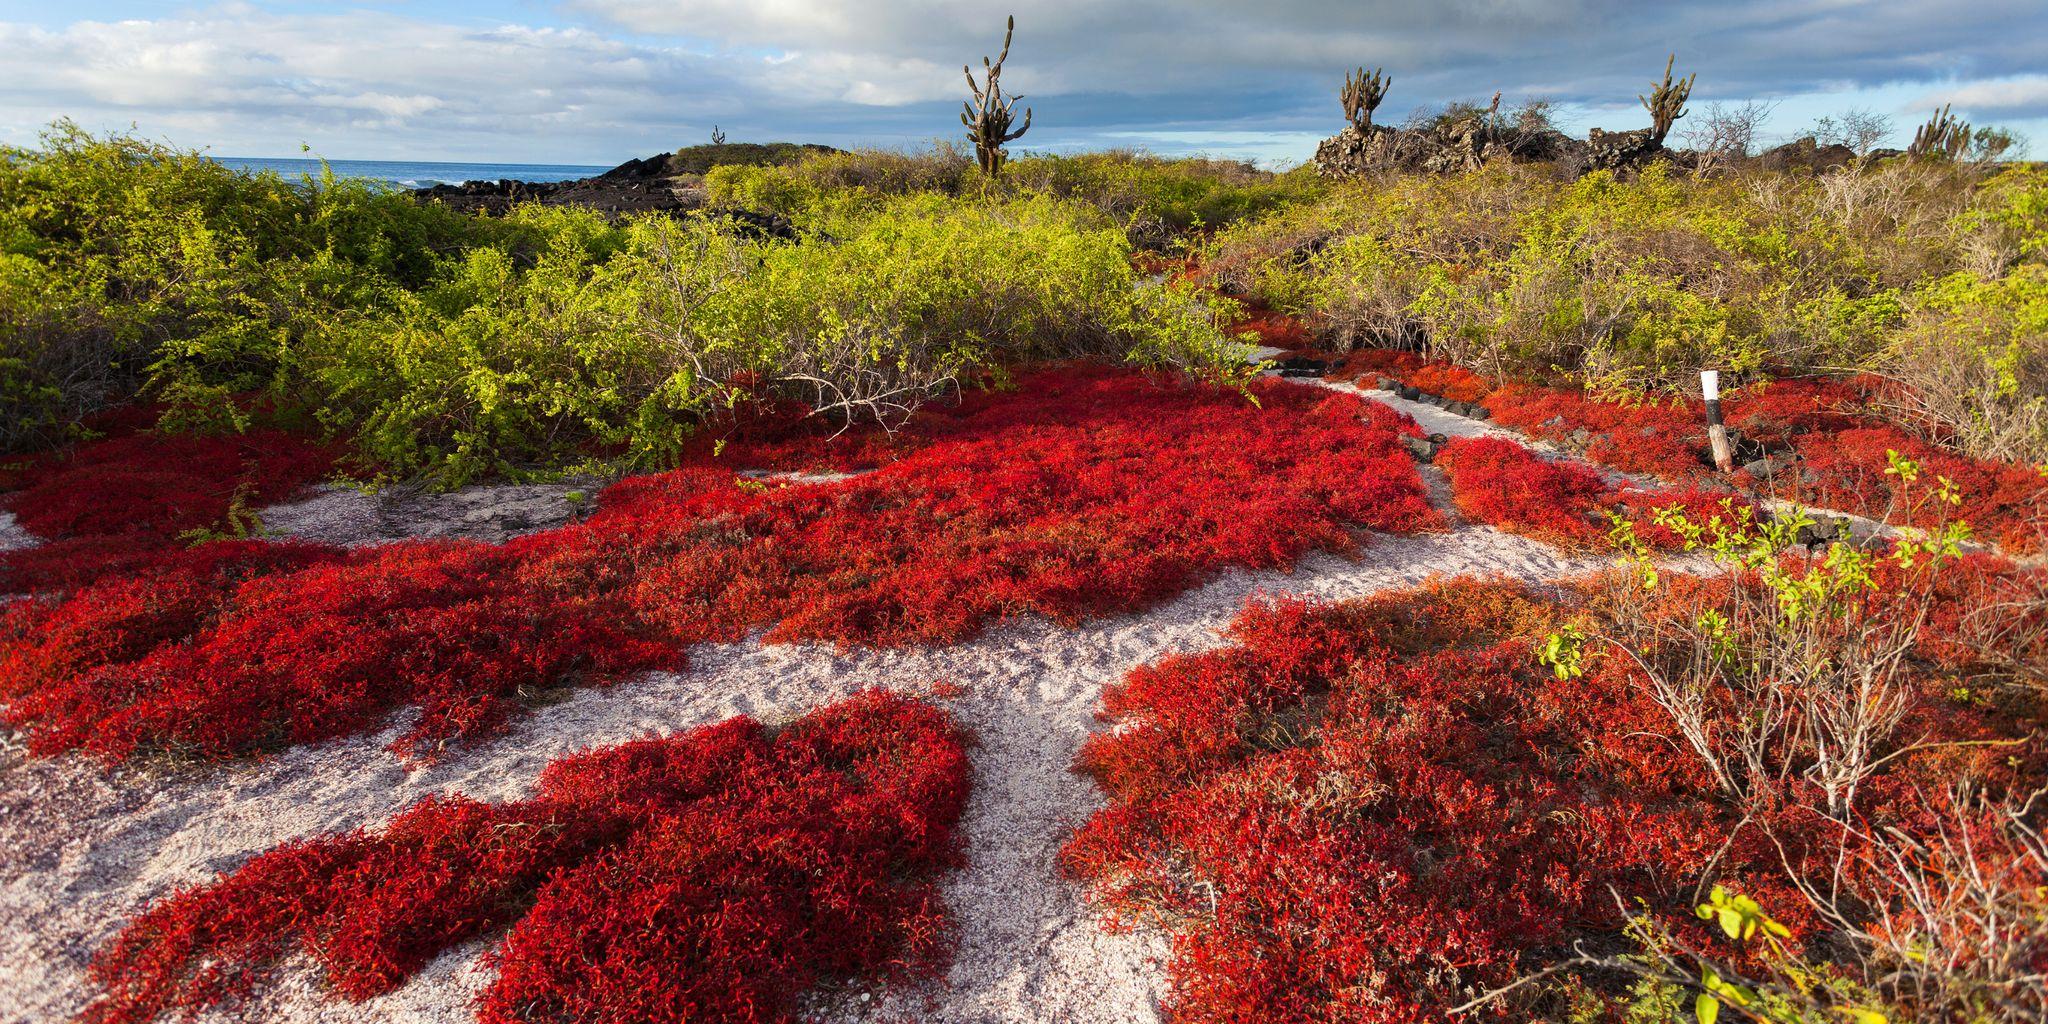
(671, 183)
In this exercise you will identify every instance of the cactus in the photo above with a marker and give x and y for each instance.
(1944, 135)
(717, 136)
(1666, 101)
(1362, 95)
(989, 115)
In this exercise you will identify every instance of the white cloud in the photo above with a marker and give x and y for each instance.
(2026, 93)
(278, 79)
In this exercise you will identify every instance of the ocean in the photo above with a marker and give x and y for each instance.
(414, 173)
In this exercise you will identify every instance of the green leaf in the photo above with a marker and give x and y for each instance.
(1706, 1008)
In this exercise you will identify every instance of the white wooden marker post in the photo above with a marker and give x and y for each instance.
(1710, 386)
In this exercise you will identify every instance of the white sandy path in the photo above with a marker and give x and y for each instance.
(12, 535)
(336, 514)
(1435, 420)
(81, 850)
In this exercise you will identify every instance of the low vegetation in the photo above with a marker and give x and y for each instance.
(1928, 272)
(718, 874)
(452, 346)
(1502, 483)
(1082, 492)
(1799, 791)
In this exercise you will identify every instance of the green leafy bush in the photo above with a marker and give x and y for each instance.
(123, 260)
(1639, 281)
(456, 346)
(1154, 199)
(617, 339)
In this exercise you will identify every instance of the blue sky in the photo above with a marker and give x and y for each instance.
(598, 81)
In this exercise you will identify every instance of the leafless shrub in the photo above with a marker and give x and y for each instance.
(1371, 312)
(1792, 670)
(1979, 377)
(56, 366)
(1858, 129)
(843, 383)
(1951, 926)
(1902, 211)
(1954, 921)
(2008, 627)
(1726, 133)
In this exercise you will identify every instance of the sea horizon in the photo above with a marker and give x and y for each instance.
(415, 173)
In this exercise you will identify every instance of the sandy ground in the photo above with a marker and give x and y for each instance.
(12, 535)
(344, 515)
(81, 849)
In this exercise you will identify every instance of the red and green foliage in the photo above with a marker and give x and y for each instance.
(1850, 470)
(1835, 429)
(1663, 439)
(1432, 377)
(1275, 329)
(1503, 483)
(1374, 811)
(1084, 492)
(112, 507)
(717, 875)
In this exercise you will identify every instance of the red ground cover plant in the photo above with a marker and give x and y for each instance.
(716, 875)
(1273, 328)
(1666, 439)
(1447, 380)
(1839, 437)
(114, 506)
(1850, 471)
(1085, 491)
(1374, 811)
(1503, 483)
(1837, 427)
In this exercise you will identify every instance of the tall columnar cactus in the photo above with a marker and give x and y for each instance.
(1944, 135)
(1666, 101)
(1362, 95)
(989, 115)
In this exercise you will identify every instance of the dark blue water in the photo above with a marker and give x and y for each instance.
(414, 173)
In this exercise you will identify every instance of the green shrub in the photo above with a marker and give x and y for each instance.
(123, 260)
(1154, 199)
(619, 339)
(453, 346)
(1637, 282)
(702, 158)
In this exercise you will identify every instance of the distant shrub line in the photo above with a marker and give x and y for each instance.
(1932, 273)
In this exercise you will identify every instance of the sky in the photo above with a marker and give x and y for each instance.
(600, 81)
